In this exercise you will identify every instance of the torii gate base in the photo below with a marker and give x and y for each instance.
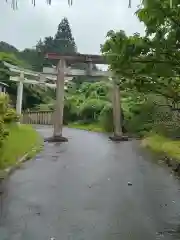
(56, 139)
(61, 73)
(115, 138)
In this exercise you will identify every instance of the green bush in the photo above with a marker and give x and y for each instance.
(10, 116)
(44, 107)
(7, 115)
(141, 118)
(3, 109)
(106, 118)
(90, 110)
(152, 115)
(166, 122)
(3, 132)
(70, 111)
(4, 99)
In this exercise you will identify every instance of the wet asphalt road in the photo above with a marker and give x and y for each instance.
(79, 191)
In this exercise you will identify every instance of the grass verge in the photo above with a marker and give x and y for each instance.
(89, 127)
(22, 139)
(163, 145)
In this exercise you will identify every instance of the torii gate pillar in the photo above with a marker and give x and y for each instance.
(59, 106)
(117, 115)
(59, 109)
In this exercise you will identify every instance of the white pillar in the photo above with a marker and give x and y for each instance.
(58, 118)
(19, 94)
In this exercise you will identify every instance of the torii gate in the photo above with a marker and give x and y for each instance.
(62, 71)
(21, 79)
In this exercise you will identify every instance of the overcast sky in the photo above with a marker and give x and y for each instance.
(90, 21)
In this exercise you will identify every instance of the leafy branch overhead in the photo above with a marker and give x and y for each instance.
(150, 62)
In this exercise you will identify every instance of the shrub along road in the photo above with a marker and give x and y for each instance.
(79, 190)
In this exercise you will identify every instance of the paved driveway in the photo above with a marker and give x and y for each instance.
(79, 191)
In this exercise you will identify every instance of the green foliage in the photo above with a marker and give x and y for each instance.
(15, 140)
(96, 90)
(12, 58)
(142, 117)
(10, 116)
(44, 107)
(70, 110)
(149, 63)
(63, 40)
(7, 114)
(7, 48)
(90, 110)
(3, 110)
(90, 104)
(3, 103)
(106, 118)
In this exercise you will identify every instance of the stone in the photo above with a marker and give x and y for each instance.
(129, 184)
(56, 139)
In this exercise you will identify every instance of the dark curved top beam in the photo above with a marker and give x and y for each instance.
(83, 58)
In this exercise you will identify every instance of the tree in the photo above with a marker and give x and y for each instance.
(149, 63)
(47, 45)
(5, 47)
(63, 40)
